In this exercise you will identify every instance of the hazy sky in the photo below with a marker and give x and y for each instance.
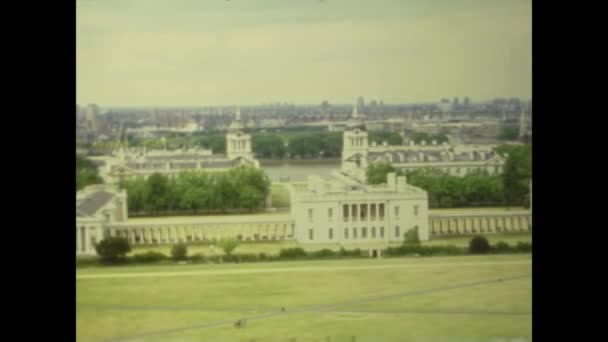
(219, 52)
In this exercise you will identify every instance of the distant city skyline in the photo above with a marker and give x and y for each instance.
(186, 53)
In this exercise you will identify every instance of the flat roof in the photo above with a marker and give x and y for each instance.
(227, 218)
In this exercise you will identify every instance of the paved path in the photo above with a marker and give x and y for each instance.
(291, 269)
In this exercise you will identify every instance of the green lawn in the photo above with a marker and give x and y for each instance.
(401, 299)
(280, 196)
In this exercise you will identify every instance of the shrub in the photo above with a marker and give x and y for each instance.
(113, 249)
(411, 237)
(248, 257)
(228, 245)
(179, 251)
(324, 253)
(350, 253)
(213, 259)
(479, 245)
(291, 253)
(263, 256)
(502, 247)
(524, 247)
(149, 257)
(230, 258)
(197, 258)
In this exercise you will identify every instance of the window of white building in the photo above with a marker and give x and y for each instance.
(381, 211)
(310, 234)
(372, 211)
(331, 233)
(363, 233)
(345, 212)
(397, 231)
(354, 233)
(363, 212)
(381, 232)
(346, 233)
(310, 214)
(415, 210)
(396, 211)
(373, 232)
(330, 213)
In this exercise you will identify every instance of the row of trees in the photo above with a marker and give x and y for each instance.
(302, 145)
(314, 145)
(475, 189)
(243, 187)
(86, 173)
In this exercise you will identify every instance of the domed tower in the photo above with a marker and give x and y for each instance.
(238, 143)
(355, 143)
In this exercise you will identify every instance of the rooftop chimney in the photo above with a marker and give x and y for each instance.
(391, 180)
(401, 184)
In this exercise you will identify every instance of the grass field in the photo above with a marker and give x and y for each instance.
(401, 299)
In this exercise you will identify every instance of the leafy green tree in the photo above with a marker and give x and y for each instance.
(250, 197)
(86, 173)
(268, 146)
(412, 237)
(179, 251)
(376, 172)
(509, 133)
(158, 192)
(479, 245)
(517, 172)
(228, 245)
(113, 249)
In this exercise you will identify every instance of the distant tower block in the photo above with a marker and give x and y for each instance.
(238, 143)
(91, 113)
(522, 123)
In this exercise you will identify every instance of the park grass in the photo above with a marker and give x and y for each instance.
(114, 307)
(280, 196)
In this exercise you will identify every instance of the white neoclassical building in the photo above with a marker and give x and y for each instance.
(358, 153)
(97, 207)
(133, 163)
(342, 210)
(345, 210)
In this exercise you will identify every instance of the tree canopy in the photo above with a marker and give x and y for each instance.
(86, 173)
(244, 187)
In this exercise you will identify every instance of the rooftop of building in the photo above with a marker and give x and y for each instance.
(94, 197)
(342, 183)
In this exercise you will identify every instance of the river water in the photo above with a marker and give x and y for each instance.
(298, 170)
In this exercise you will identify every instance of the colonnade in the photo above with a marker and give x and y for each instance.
(442, 225)
(172, 233)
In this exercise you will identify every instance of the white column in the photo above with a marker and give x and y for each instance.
(87, 242)
(78, 246)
